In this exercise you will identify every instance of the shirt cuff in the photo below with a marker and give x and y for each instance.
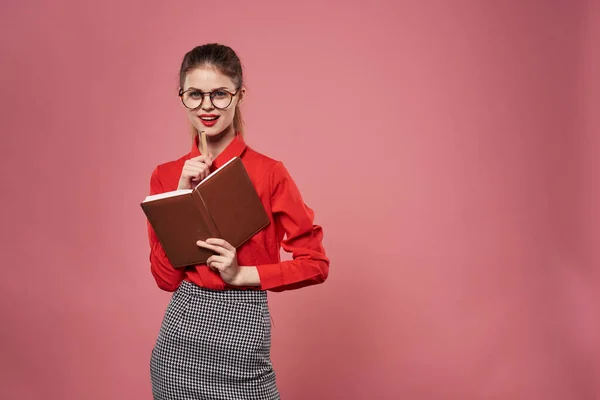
(270, 275)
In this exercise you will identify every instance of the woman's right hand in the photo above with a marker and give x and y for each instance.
(194, 171)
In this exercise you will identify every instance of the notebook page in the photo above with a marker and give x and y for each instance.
(173, 193)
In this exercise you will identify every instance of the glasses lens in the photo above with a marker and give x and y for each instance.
(220, 99)
(192, 98)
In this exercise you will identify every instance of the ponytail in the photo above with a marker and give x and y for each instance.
(238, 122)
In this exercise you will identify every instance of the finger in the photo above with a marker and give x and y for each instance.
(218, 249)
(212, 268)
(194, 172)
(207, 160)
(219, 259)
(198, 162)
(196, 167)
(191, 170)
(195, 177)
(217, 266)
(200, 158)
(222, 243)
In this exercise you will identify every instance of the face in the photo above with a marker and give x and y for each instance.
(208, 118)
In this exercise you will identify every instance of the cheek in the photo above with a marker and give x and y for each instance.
(195, 121)
(192, 117)
(227, 116)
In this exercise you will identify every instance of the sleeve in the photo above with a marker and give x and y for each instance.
(303, 239)
(166, 276)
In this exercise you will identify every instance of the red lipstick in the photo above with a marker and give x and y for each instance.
(208, 119)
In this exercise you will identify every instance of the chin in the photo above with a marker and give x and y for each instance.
(215, 131)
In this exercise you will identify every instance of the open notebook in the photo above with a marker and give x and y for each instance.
(223, 205)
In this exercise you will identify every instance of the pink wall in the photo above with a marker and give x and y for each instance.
(449, 150)
(590, 210)
(591, 142)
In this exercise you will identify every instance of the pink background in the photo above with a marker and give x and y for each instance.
(450, 149)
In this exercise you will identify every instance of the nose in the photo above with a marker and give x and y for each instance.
(206, 102)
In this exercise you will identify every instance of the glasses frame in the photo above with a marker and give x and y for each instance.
(232, 94)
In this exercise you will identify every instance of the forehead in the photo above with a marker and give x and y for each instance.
(207, 79)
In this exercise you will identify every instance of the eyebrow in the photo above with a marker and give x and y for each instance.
(219, 88)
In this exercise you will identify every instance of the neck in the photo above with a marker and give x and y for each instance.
(216, 144)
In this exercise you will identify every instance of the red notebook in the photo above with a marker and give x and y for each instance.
(224, 205)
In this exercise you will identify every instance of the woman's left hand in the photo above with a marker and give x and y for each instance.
(225, 261)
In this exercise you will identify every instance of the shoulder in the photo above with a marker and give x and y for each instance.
(265, 166)
(265, 169)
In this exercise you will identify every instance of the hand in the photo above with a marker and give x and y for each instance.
(225, 261)
(194, 170)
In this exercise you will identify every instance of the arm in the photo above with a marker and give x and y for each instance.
(166, 276)
(303, 239)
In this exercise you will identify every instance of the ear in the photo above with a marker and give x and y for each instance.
(242, 95)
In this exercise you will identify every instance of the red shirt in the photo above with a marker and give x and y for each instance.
(291, 227)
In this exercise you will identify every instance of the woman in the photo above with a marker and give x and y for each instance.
(215, 339)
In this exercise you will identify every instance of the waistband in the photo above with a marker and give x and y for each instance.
(230, 295)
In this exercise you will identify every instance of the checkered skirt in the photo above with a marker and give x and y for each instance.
(214, 345)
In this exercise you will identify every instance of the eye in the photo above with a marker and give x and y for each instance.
(195, 95)
(219, 94)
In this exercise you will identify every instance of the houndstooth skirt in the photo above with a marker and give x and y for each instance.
(214, 345)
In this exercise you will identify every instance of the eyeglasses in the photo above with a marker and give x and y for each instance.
(193, 98)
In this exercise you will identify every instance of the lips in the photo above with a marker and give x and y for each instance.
(208, 119)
